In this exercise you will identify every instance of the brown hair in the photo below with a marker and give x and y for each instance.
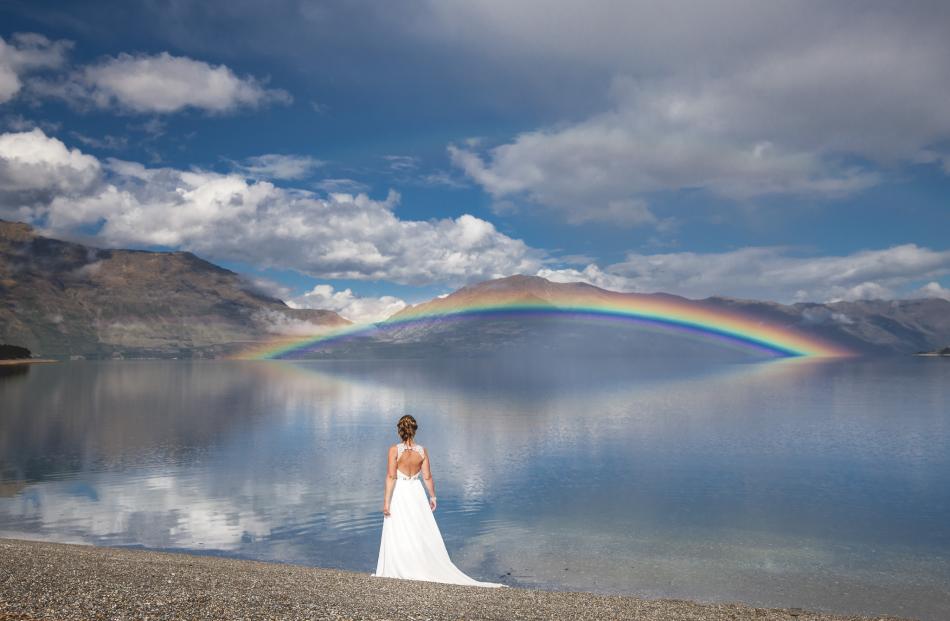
(406, 427)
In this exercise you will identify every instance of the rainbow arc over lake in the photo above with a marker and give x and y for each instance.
(656, 311)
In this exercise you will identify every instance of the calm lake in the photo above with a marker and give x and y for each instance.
(822, 485)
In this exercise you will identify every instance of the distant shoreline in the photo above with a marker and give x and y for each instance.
(18, 361)
(67, 581)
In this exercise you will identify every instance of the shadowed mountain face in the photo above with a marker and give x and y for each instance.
(60, 299)
(866, 326)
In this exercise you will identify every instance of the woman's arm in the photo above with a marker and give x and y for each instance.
(390, 480)
(427, 478)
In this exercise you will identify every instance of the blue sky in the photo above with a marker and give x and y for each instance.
(360, 156)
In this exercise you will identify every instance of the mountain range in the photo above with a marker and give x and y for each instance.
(881, 327)
(64, 299)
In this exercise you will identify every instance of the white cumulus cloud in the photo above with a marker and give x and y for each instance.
(356, 308)
(161, 84)
(229, 217)
(36, 169)
(933, 289)
(24, 53)
(353, 236)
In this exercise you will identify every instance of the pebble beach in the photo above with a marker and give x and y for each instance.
(41, 580)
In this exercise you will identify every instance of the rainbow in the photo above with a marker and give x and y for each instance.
(664, 312)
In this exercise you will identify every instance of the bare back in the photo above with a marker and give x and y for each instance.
(410, 459)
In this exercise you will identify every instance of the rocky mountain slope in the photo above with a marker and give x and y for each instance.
(64, 299)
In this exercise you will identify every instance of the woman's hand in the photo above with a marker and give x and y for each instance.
(385, 510)
(432, 502)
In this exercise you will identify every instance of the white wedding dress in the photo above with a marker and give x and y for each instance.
(412, 546)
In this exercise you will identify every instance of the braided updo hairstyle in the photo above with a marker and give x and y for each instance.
(406, 427)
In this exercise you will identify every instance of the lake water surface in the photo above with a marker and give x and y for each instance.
(822, 485)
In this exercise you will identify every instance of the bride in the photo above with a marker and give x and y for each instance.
(412, 545)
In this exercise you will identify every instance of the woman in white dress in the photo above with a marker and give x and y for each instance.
(412, 546)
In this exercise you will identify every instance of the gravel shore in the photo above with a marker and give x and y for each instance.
(64, 582)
